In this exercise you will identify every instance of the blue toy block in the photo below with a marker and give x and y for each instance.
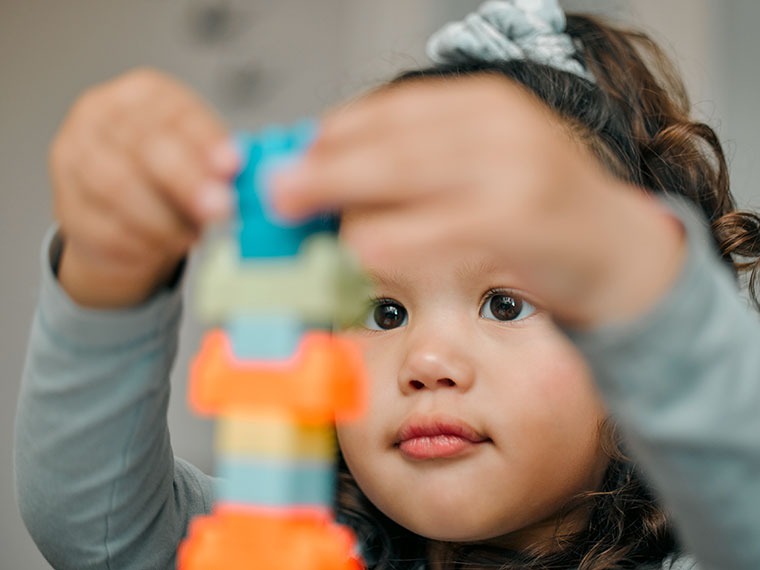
(274, 482)
(265, 337)
(260, 232)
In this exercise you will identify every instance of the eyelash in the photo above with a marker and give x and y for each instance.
(497, 291)
(494, 291)
(505, 291)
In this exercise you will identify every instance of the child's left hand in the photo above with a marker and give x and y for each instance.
(479, 163)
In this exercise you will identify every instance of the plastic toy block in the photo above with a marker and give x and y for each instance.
(321, 382)
(274, 436)
(264, 337)
(263, 152)
(324, 285)
(262, 233)
(291, 511)
(228, 539)
(256, 241)
(274, 482)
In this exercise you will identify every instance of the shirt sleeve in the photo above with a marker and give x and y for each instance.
(684, 384)
(97, 483)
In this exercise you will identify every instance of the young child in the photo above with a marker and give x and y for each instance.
(532, 297)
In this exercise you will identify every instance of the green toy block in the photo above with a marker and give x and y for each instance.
(323, 285)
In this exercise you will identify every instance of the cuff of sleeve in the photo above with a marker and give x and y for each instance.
(101, 329)
(668, 329)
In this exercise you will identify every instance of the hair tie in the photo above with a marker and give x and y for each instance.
(502, 30)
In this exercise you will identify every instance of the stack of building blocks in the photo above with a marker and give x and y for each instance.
(275, 378)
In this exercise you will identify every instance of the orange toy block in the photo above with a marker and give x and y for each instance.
(229, 539)
(323, 381)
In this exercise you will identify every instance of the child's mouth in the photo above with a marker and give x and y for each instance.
(436, 438)
(436, 447)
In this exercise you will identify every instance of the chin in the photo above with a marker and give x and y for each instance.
(453, 535)
(448, 529)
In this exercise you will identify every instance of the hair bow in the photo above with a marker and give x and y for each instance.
(509, 29)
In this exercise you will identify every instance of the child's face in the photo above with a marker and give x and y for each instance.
(482, 419)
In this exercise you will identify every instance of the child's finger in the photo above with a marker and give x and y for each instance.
(426, 225)
(312, 186)
(380, 168)
(210, 139)
(174, 166)
(388, 148)
(374, 168)
(90, 225)
(117, 187)
(156, 221)
(144, 104)
(193, 121)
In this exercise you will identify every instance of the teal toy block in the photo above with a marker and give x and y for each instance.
(261, 232)
(264, 337)
(274, 482)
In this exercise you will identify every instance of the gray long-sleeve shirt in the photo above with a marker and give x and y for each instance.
(99, 487)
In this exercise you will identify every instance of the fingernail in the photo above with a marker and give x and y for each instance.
(225, 158)
(215, 201)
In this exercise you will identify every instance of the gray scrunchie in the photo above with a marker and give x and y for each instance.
(502, 30)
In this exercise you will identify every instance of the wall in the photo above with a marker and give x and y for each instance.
(277, 60)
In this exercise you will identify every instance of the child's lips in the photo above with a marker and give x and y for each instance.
(436, 437)
(435, 447)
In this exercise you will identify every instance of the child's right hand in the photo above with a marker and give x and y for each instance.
(138, 167)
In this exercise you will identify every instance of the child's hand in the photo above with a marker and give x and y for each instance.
(138, 167)
(478, 163)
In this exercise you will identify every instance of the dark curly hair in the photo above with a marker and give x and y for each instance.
(636, 120)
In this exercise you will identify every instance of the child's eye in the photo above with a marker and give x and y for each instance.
(386, 314)
(502, 306)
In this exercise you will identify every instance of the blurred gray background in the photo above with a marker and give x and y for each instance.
(261, 61)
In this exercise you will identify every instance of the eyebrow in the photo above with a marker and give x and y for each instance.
(483, 266)
(389, 278)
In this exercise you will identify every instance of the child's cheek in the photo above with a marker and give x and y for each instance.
(562, 373)
(381, 383)
(555, 388)
(380, 359)
(567, 381)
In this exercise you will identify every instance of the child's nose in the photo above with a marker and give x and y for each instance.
(436, 363)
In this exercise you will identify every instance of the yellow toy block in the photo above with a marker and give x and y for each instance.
(323, 284)
(274, 436)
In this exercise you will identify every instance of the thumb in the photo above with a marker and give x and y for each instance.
(294, 193)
